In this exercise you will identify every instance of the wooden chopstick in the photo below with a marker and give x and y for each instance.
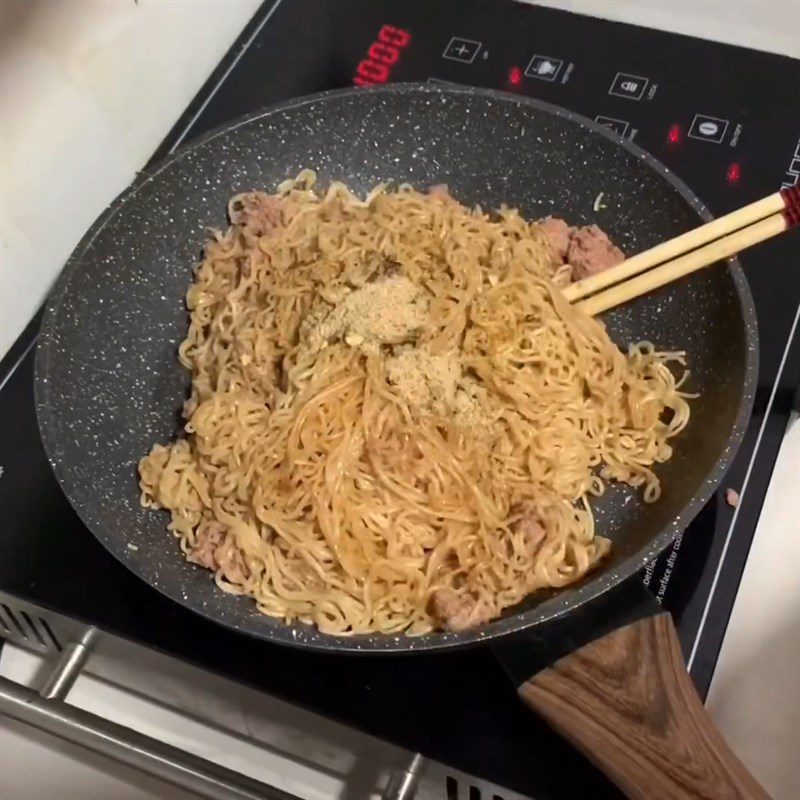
(697, 259)
(678, 246)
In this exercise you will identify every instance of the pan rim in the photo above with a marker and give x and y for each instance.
(550, 609)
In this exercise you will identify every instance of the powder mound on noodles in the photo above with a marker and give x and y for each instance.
(396, 422)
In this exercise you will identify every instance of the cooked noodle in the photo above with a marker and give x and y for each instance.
(392, 403)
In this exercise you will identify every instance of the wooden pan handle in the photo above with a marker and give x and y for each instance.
(627, 703)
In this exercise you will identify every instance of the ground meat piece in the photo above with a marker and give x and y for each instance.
(732, 497)
(231, 562)
(458, 612)
(591, 251)
(557, 233)
(214, 549)
(529, 525)
(210, 536)
(259, 213)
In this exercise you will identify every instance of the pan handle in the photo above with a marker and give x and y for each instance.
(626, 701)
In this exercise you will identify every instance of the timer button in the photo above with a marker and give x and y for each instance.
(463, 50)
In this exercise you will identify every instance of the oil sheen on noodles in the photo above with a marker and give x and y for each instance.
(396, 423)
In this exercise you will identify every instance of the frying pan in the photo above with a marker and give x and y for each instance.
(108, 385)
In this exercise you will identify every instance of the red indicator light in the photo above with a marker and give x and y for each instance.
(515, 76)
(382, 55)
(675, 134)
(734, 173)
(372, 71)
(396, 36)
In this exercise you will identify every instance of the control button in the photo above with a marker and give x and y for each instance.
(617, 125)
(790, 182)
(544, 68)
(794, 167)
(630, 87)
(462, 50)
(708, 129)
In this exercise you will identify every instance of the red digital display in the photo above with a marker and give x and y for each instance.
(382, 55)
(675, 134)
(515, 76)
(734, 173)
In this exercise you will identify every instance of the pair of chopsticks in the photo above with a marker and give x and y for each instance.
(687, 253)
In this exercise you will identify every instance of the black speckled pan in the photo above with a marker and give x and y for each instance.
(108, 384)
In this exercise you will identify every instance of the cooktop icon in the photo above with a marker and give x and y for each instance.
(544, 68)
(631, 87)
(462, 50)
(619, 126)
(708, 129)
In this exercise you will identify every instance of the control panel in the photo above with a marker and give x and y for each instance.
(718, 115)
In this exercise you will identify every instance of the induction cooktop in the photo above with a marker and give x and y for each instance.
(718, 115)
